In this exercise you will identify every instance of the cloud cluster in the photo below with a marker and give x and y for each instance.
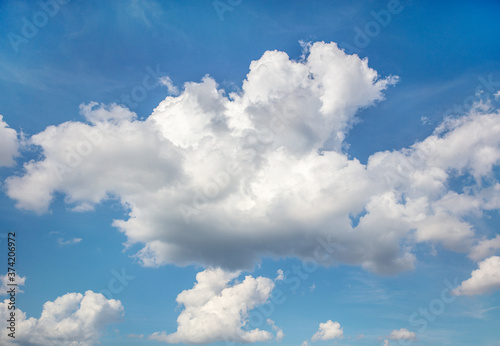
(222, 180)
(216, 310)
(8, 144)
(483, 280)
(328, 331)
(72, 319)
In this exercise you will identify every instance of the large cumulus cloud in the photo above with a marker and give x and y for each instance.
(221, 180)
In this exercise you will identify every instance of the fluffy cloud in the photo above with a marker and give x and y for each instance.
(483, 280)
(216, 310)
(402, 334)
(8, 144)
(222, 180)
(328, 331)
(72, 319)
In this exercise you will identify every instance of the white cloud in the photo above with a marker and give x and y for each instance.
(63, 242)
(328, 331)
(402, 334)
(216, 310)
(72, 319)
(485, 248)
(386, 342)
(278, 330)
(83, 207)
(5, 281)
(8, 144)
(280, 276)
(172, 89)
(483, 280)
(221, 180)
(114, 114)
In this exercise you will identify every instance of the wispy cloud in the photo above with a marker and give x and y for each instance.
(63, 242)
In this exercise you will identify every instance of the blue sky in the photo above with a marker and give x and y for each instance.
(406, 186)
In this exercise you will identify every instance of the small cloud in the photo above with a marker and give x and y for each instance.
(312, 288)
(5, 280)
(280, 275)
(328, 331)
(63, 242)
(402, 334)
